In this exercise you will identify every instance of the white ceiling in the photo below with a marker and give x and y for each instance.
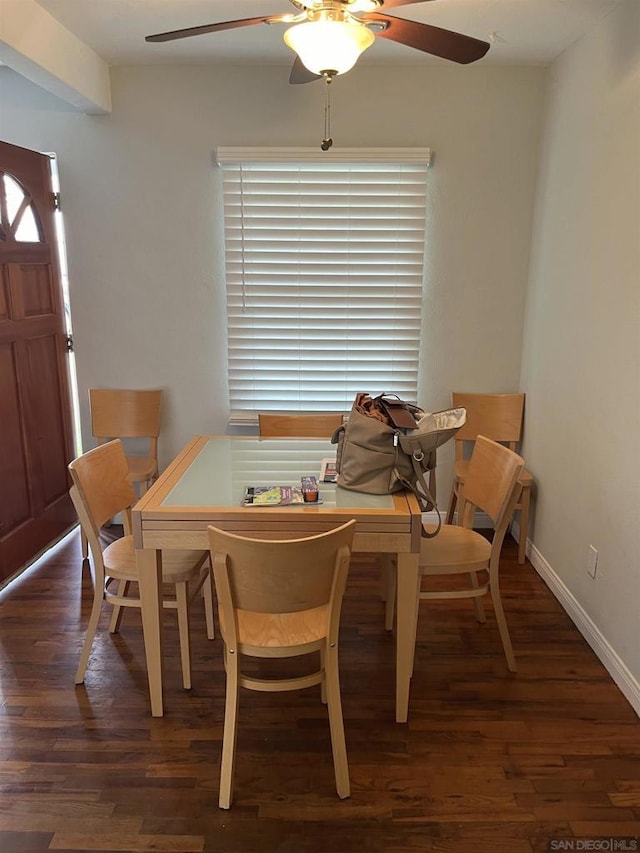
(528, 31)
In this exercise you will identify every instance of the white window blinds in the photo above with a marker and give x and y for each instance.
(324, 273)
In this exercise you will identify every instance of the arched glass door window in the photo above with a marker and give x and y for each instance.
(19, 219)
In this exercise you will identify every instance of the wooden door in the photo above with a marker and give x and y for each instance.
(35, 409)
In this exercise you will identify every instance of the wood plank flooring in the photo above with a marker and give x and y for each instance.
(489, 761)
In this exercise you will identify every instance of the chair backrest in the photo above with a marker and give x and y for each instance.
(125, 413)
(102, 485)
(271, 576)
(308, 425)
(496, 416)
(491, 483)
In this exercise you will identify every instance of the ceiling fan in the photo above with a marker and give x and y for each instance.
(328, 36)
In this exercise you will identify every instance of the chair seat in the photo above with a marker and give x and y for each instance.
(279, 630)
(142, 468)
(462, 466)
(454, 550)
(177, 566)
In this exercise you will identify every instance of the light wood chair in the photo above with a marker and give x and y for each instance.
(126, 413)
(499, 417)
(492, 485)
(280, 599)
(101, 489)
(307, 425)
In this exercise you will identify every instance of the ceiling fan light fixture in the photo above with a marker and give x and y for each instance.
(328, 46)
(360, 6)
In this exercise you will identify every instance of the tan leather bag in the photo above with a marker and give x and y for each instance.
(379, 458)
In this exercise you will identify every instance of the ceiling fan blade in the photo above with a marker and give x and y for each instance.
(434, 40)
(301, 74)
(207, 28)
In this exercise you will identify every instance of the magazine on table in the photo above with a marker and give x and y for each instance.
(274, 496)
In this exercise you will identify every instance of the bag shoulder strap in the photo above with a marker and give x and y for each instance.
(338, 433)
(424, 494)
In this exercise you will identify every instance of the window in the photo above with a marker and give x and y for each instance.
(324, 273)
(17, 216)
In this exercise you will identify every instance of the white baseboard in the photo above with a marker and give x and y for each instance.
(615, 666)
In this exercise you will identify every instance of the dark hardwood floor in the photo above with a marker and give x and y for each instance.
(489, 761)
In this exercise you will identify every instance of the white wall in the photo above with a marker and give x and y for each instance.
(581, 362)
(137, 185)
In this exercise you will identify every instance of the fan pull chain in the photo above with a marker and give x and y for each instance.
(327, 142)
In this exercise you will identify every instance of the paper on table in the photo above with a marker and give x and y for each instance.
(328, 471)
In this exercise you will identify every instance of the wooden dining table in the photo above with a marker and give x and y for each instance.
(205, 485)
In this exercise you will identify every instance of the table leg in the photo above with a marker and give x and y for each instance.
(149, 565)
(407, 602)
